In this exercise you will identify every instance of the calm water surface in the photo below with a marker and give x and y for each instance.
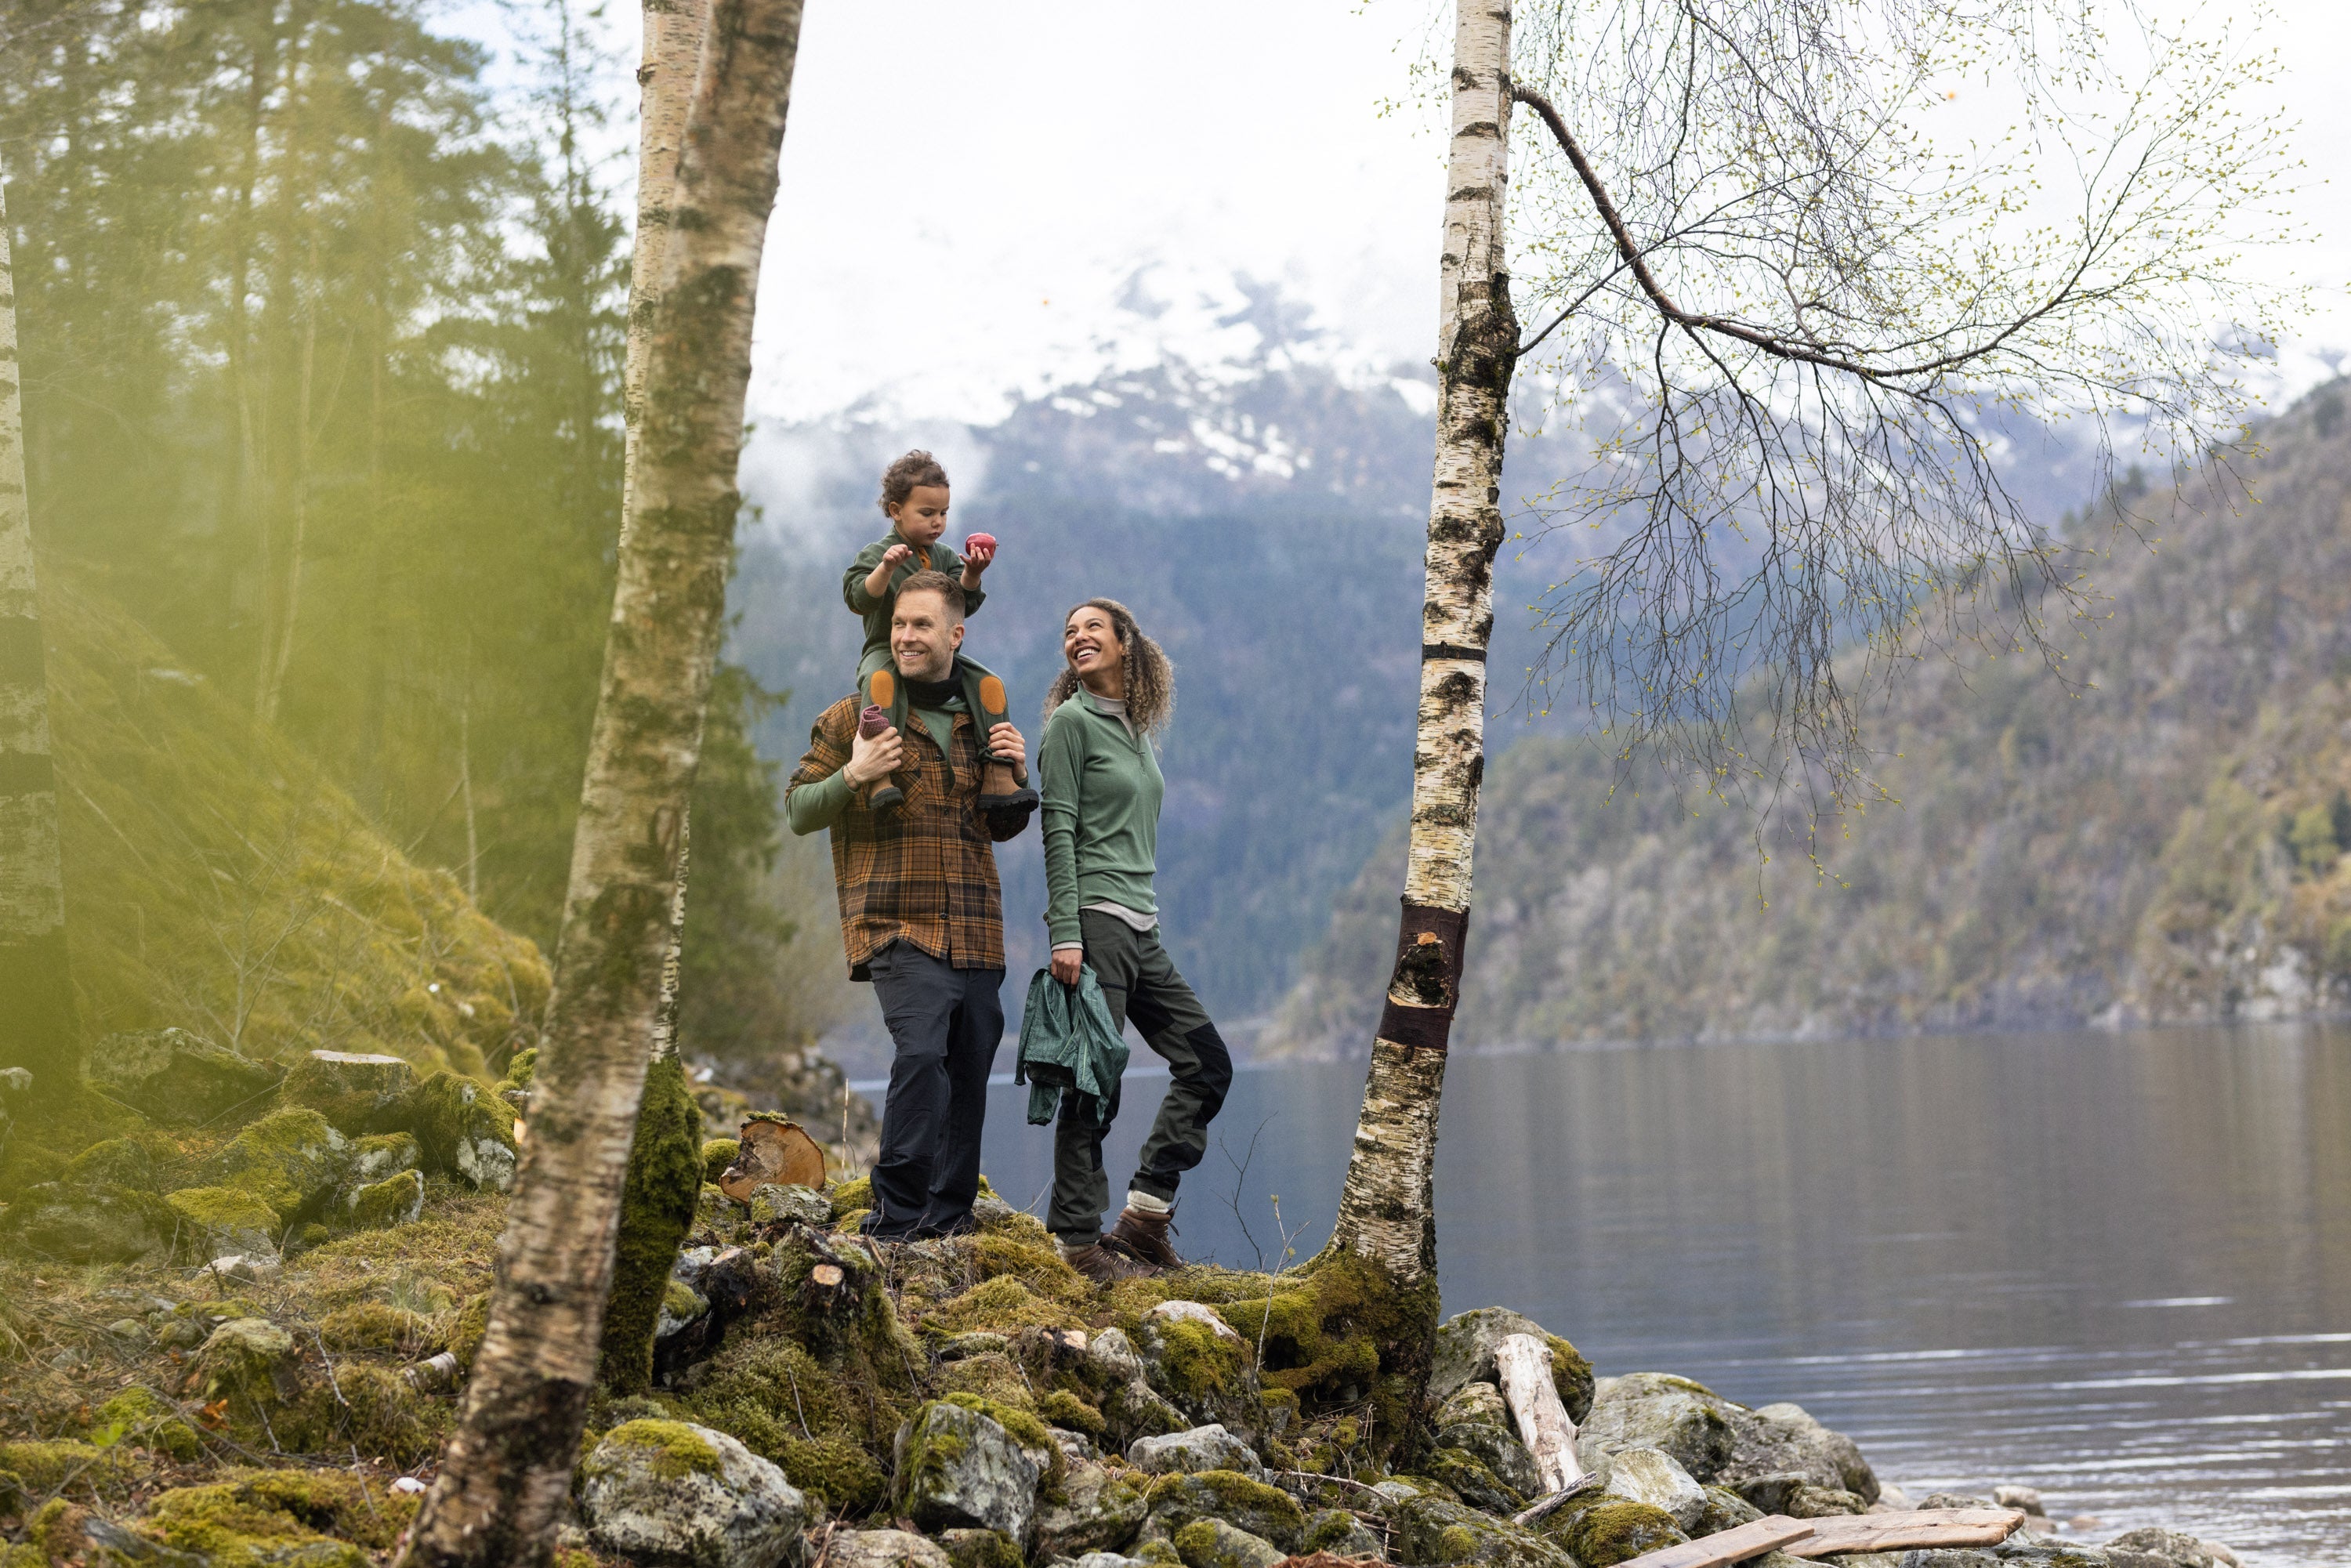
(2116, 1266)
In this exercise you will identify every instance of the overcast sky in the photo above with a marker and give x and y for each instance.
(967, 189)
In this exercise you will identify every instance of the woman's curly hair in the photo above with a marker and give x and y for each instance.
(1150, 675)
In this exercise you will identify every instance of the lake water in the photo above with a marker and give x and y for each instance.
(2116, 1266)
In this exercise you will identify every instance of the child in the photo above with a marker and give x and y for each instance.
(915, 498)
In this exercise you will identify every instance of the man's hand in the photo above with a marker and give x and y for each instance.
(1067, 962)
(1004, 743)
(872, 758)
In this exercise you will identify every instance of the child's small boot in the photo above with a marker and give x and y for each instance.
(1001, 795)
(886, 709)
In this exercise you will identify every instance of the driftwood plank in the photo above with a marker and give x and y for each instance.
(1523, 1366)
(1752, 1538)
(1919, 1527)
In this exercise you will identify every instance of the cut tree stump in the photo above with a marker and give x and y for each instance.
(1917, 1528)
(774, 1151)
(1752, 1538)
(1523, 1366)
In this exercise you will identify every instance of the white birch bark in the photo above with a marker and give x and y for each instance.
(505, 1479)
(37, 1028)
(1386, 1209)
(672, 51)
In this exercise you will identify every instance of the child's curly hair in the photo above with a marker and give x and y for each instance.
(1150, 674)
(899, 479)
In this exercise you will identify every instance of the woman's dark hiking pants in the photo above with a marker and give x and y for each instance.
(1139, 982)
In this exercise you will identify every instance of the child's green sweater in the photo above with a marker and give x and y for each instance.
(876, 609)
(1101, 790)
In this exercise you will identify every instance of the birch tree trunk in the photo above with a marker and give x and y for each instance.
(673, 49)
(1387, 1211)
(37, 1028)
(506, 1476)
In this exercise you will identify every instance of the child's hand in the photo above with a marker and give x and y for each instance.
(896, 555)
(977, 551)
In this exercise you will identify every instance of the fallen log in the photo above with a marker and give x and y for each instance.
(1522, 1367)
(1917, 1528)
(1752, 1538)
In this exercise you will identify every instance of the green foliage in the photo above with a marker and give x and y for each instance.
(2313, 838)
(656, 1210)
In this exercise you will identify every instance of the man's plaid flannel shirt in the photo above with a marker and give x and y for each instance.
(925, 872)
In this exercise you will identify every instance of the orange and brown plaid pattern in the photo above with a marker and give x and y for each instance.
(925, 872)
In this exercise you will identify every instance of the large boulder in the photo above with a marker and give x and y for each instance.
(1093, 1509)
(1784, 1437)
(959, 1467)
(1614, 1531)
(176, 1077)
(1650, 1476)
(1656, 1410)
(1429, 1529)
(1465, 1354)
(1130, 1407)
(1208, 1447)
(1264, 1511)
(1341, 1535)
(1466, 1476)
(359, 1093)
(680, 1495)
(291, 1160)
(1498, 1449)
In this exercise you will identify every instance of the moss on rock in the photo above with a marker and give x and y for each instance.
(1002, 1303)
(463, 1129)
(291, 1159)
(379, 1325)
(217, 1219)
(143, 1417)
(64, 1465)
(1614, 1532)
(395, 1200)
(1252, 1505)
(717, 1154)
(672, 1450)
(1063, 1408)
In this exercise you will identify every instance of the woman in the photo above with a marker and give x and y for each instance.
(1101, 787)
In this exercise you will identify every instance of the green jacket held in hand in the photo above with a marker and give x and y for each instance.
(1069, 1042)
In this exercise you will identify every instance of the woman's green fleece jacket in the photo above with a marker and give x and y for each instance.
(1101, 790)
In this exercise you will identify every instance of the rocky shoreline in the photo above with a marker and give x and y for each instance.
(262, 1374)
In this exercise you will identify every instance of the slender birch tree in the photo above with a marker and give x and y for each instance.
(1795, 318)
(506, 1477)
(37, 1027)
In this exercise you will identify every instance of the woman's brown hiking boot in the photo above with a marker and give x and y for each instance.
(1104, 1267)
(1143, 1236)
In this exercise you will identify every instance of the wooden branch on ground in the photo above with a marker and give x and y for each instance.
(1903, 1531)
(1522, 1367)
(1752, 1538)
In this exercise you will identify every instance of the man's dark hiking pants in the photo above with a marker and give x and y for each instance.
(947, 1024)
(1139, 982)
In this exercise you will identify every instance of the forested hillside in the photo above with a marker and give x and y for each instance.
(2157, 837)
(321, 336)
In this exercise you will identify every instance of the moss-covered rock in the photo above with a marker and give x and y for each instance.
(1473, 1482)
(1465, 1354)
(395, 1200)
(673, 1492)
(464, 1130)
(1431, 1529)
(1063, 1408)
(1614, 1532)
(358, 1093)
(1264, 1511)
(292, 1159)
(249, 1356)
(1341, 1535)
(773, 1205)
(1725, 1509)
(145, 1419)
(852, 1197)
(135, 1161)
(1496, 1447)
(981, 1549)
(65, 1465)
(1213, 1543)
(958, 1465)
(382, 1156)
(176, 1077)
(79, 1224)
(1656, 1410)
(214, 1220)
(1094, 1509)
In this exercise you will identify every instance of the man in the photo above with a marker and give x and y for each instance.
(920, 914)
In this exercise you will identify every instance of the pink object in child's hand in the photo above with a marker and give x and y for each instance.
(978, 542)
(873, 722)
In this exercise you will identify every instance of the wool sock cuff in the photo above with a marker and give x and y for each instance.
(1146, 1203)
